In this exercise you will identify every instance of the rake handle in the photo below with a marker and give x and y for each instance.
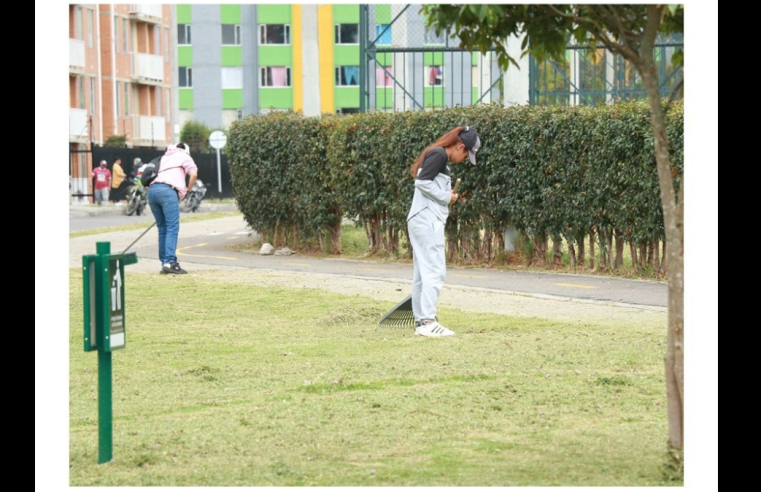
(456, 187)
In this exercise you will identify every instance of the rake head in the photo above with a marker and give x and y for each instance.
(399, 315)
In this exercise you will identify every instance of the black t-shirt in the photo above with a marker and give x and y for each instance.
(434, 162)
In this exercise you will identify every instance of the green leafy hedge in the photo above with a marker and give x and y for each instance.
(553, 173)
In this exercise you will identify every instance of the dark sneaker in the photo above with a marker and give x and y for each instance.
(172, 268)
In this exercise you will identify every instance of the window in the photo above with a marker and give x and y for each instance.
(92, 95)
(125, 35)
(118, 98)
(158, 100)
(434, 75)
(81, 91)
(126, 98)
(239, 114)
(167, 104)
(232, 77)
(156, 40)
(347, 33)
(347, 110)
(430, 37)
(274, 34)
(186, 77)
(90, 23)
(276, 76)
(166, 44)
(183, 34)
(115, 36)
(230, 34)
(384, 31)
(347, 75)
(77, 22)
(383, 76)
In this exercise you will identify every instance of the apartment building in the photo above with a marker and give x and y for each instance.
(235, 60)
(121, 76)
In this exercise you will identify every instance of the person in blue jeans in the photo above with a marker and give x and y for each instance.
(164, 197)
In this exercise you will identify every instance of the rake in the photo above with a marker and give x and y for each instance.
(401, 314)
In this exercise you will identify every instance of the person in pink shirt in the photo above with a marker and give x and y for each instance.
(102, 177)
(164, 196)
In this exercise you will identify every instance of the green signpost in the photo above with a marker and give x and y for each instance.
(104, 327)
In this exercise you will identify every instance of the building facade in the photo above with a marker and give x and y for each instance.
(121, 81)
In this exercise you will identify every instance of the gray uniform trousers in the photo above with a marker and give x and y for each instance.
(428, 261)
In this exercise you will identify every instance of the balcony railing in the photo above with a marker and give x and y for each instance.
(147, 68)
(78, 130)
(147, 13)
(76, 55)
(149, 130)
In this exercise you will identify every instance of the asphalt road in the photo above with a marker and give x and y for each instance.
(211, 243)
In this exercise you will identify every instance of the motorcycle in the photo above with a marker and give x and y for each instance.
(194, 196)
(137, 197)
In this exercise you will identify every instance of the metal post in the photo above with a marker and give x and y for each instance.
(219, 174)
(105, 407)
(363, 89)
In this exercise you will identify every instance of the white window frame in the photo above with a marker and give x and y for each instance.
(263, 77)
(236, 35)
(115, 37)
(159, 101)
(188, 78)
(338, 78)
(337, 33)
(390, 70)
(263, 35)
(78, 23)
(436, 41)
(232, 77)
(188, 34)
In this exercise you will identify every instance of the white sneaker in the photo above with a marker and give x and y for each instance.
(432, 329)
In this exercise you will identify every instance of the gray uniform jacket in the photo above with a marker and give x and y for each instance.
(433, 186)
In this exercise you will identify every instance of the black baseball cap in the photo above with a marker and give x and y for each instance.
(470, 138)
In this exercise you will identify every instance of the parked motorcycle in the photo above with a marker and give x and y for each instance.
(194, 197)
(137, 197)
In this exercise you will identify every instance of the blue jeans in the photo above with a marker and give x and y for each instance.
(165, 206)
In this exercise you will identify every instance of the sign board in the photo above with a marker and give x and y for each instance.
(115, 302)
(217, 139)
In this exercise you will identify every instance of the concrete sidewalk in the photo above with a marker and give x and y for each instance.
(84, 210)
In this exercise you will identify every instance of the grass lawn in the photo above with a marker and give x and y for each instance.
(225, 384)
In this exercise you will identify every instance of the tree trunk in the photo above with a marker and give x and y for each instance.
(580, 254)
(619, 260)
(673, 217)
(571, 255)
(592, 249)
(557, 253)
(633, 253)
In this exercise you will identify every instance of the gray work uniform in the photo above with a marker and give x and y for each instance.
(425, 224)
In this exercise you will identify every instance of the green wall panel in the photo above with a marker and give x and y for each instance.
(274, 14)
(184, 56)
(229, 14)
(433, 97)
(385, 59)
(346, 14)
(186, 98)
(275, 56)
(346, 55)
(184, 14)
(433, 58)
(232, 98)
(383, 14)
(232, 56)
(384, 98)
(276, 98)
(347, 97)
(476, 95)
